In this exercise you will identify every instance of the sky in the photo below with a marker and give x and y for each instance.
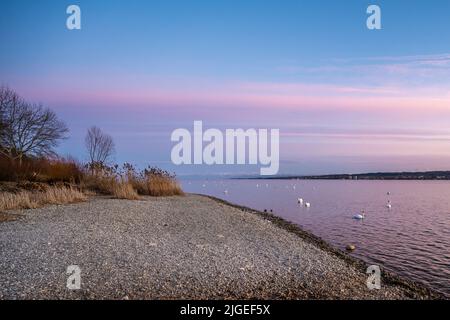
(345, 98)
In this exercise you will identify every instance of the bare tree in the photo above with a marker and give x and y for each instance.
(100, 146)
(7, 97)
(27, 129)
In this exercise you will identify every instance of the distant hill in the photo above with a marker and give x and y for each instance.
(428, 175)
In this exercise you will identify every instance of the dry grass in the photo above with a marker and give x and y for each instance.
(156, 186)
(124, 190)
(4, 217)
(128, 183)
(163, 186)
(139, 184)
(32, 199)
(41, 170)
(98, 183)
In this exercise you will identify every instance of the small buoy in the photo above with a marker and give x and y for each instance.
(307, 204)
(350, 247)
(265, 210)
(271, 210)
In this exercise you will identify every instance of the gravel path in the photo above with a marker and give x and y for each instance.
(190, 247)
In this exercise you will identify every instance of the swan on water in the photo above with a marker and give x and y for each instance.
(300, 200)
(389, 205)
(307, 204)
(360, 216)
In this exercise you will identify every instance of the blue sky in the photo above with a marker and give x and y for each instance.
(357, 100)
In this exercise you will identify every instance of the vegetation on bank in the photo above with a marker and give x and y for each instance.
(25, 199)
(34, 175)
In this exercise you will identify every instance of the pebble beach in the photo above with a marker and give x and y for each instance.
(182, 247)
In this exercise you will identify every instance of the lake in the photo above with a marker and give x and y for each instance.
(411, 239)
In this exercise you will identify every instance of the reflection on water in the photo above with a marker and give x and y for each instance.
(411, 239)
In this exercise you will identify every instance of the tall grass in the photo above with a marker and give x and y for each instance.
(41, 170)
(35, 199)
(124, 190)
(153, 181)
(125, 182)
(163, 186)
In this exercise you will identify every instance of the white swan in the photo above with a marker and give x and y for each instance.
(300, 200)
(307, 204)
(360, 216)
(389, 205)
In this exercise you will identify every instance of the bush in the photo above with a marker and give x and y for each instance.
(41, 170)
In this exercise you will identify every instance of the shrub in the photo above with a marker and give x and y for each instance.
(59, 170)
(41, 170)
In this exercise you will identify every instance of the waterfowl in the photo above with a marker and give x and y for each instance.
(360, 216)
(307, 204)
(300, 200)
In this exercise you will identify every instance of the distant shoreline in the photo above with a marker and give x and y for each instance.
(425, 175)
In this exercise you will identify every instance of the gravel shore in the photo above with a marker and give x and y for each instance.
(191, 247)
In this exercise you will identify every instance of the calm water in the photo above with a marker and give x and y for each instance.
(411, 239)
